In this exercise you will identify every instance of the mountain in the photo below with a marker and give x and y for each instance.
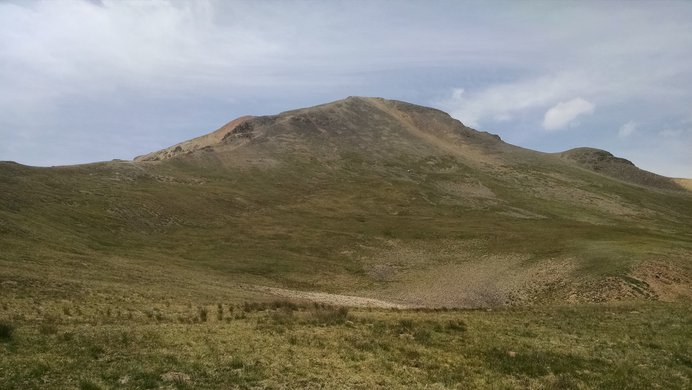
(363, 197)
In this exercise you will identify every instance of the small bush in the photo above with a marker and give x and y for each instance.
(457, 326)
(67, 336)
(329, 315)
(283, 316)
(236, 363)
(6, 330)
(283, 304)
(95, 351)
(406, 325)
(202, 314)
(254, 306)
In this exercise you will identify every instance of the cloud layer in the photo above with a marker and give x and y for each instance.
(94, 80)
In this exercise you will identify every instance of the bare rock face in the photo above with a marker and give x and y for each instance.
(205, 142)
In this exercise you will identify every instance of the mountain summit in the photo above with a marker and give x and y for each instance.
(364, 124)
(378, 127)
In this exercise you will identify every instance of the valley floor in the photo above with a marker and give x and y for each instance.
(282, 344)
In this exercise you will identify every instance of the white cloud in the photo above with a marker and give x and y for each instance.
(501, 102)
(627, 129)
(564, 113)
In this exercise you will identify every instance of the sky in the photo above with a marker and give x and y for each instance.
(84, 81)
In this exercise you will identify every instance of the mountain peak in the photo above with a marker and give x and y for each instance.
(379, 129)
(356, 122)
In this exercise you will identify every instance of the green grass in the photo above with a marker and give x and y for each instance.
(624, 346)
(320, 226)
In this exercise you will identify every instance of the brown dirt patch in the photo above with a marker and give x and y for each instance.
(670, 282)
(331, 299)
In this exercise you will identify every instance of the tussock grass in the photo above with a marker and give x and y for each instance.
(6, 330)
(581, 346)
(329, 315)
(202, 314)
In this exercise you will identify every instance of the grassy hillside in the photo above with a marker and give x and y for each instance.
(361, 198)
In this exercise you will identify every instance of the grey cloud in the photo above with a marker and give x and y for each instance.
(148, 74)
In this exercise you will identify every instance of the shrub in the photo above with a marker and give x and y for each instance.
(236, 363)
(406, 325)
(254, 306)
(202, 314)
(330, 315)
(6, 330)
(459, 326)
(284, 304)
(219, 312)
(283, 316)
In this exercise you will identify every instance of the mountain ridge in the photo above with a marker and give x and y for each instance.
(596, 160)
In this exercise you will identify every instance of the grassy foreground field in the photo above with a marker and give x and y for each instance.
(288, 345)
